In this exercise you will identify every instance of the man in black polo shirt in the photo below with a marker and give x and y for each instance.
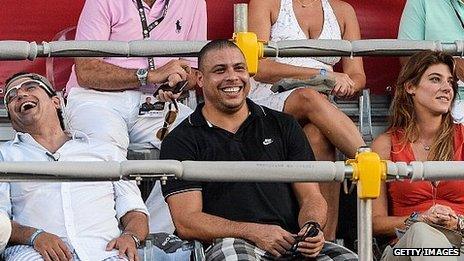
(245, 221)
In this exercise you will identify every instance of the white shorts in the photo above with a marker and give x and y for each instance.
(261, 94)
(113, 117)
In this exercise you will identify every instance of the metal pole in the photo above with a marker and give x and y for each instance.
(365, 229)
(264, 171)
(364, 223)
(240, 18)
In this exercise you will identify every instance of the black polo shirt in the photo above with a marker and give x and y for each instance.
(266, 135)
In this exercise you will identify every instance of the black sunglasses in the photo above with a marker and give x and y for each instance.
(311, 229)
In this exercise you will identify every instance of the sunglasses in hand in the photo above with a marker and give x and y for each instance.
(179, 87)
(311, 229)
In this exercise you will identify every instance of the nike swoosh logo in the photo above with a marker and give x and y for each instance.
(267, 141)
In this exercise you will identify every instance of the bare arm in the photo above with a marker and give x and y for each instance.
(135, 222)
(313, 206)
(20, 234)
(192, 223)
(50, 246)
(352, 66)
(100, 75)
(383, 224)
(270, 71)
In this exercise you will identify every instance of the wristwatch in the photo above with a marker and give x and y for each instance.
(413, 218)
(142, 75)
(323, 72)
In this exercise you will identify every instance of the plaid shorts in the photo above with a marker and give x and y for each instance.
(237, 249)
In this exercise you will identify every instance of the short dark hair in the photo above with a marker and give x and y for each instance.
(215, 45)
(14, 76)
(59, 112)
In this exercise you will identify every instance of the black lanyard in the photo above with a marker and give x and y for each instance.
(457, 14)
(146, 29)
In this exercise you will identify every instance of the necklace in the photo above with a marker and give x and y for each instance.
(424, 146)
(306, 5)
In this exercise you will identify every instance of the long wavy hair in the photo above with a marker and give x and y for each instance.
(402, 112)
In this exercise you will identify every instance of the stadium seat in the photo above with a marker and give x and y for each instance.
(58, 69)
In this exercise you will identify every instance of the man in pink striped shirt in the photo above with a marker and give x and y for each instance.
(104, 94)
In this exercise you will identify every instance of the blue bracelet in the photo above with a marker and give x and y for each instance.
(34, 236)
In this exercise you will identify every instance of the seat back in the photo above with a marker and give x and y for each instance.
(58, 69)
(379, 20)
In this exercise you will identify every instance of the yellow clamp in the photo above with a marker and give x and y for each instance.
(251, 48)
(368, 171)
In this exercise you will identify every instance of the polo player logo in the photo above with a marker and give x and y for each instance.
(178, 26)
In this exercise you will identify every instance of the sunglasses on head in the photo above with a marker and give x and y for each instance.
(29, 85)
(169, 119)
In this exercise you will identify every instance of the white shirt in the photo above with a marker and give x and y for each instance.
(84, 214)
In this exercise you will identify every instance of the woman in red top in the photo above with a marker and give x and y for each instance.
(421, 129)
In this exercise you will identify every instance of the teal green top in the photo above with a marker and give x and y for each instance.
(432, 20)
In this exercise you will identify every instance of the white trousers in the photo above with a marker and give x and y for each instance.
(113, 117)
(420, 235)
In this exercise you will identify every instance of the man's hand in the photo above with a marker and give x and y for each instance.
(344, 85)
(172, 72)
(126, 246)
(192, 78)
(271, 238)
(51, 247)
(166, 95)
(440, 215)
(311, 246)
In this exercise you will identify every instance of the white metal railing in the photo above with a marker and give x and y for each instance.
(230, 171)
(233, 171)
(23, 50)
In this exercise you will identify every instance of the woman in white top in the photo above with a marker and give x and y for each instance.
(324, 124)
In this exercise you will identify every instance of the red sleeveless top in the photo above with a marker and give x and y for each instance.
(405, 197)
